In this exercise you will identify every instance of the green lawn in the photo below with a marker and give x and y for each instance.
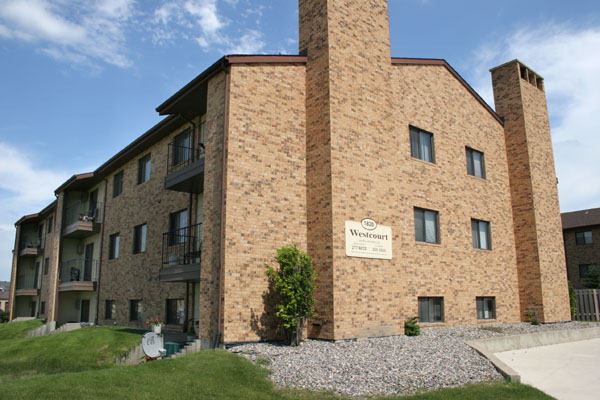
(80, 365)
(18, 329)
(79, 350)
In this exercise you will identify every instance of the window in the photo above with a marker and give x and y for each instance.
(118, 184)
(175, 312)
(181, 147)
(586, 271)
(431, 309)
(426, 226)
(43, 308)
(135, 310)
(486, 307)
(177, 221)
(475, 163)
(144, 169)
(110, 309)
(582, 238)
(113, 246)
(46, 265)
(481, 234)
(50, 222)
(421, 145)
(140, 233)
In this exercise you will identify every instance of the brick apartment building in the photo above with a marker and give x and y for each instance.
(581, 231)
(261, 151)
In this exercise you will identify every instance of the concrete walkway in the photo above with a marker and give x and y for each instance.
(567, 371)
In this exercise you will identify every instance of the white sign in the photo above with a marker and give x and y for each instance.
(152, 344)
(368, 240)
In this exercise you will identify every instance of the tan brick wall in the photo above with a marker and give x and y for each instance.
(540, 251)
(266, 190)
(47, 280)
(582, 254)
(136, 276)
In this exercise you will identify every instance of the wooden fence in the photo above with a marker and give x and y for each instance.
(588, 301)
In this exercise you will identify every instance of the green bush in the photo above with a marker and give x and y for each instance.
(573, 301)
(293, 283)
(4, 317)
(411, 327)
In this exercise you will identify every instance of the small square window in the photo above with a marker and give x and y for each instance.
(481, 234)
(135, 310)
(431, 309)
(140, 234)
(175, 311)
(421, 145)
(113, 246)
(110, 309)
(586, 271)
(475, 163)
(486, 307)
(43, 307)
(426, 226)
(118, 184)
(144, 164)
(583, 238)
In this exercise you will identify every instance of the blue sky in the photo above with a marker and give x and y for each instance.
(79, 80)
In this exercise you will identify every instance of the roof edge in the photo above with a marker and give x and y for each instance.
(73, 179)
(444, 63)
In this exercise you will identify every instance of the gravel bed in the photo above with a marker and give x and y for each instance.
(395, 365)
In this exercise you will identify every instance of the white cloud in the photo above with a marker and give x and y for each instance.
(24, 189)
(564, 55)
(249, 43)
(75, 31)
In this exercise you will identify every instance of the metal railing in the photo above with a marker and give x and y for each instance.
(78, 270)
(79, 211)
(29, 281)
(180, 156)
(28, 243)
(182, 246)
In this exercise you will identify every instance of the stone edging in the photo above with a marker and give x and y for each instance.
(487, 347)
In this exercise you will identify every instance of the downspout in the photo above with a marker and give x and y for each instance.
(101, 248)
(223, 190)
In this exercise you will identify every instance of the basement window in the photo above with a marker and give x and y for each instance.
(431, 309)
(486, 307)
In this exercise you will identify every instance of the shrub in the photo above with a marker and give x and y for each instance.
(411, 327)
(4, 317)
(573, 301)
(293, 283)
(531, 315)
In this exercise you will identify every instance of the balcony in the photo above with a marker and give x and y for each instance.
(82, 220)
(181, 255)
(31, 248)
(78, 274)
(27, 285)
(185, 168)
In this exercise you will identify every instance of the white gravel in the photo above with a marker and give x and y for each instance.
(395, 365)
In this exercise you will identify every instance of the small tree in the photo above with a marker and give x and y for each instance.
(293, 283)
(592, 280)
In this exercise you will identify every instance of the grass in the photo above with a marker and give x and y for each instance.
(82, 349)
(16, 330)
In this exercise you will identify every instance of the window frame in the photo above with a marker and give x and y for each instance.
(110, 309)
(118, 183)
(175, 220)
(144, 169)
(114, 246)
(43, 308)
(413, 130)
(184, 156)
(581, 240)
(424, 227)
(471, 162)
(476, 240)
(480, 303)
(50, 223)
(140, 238)
(176, 319)
(430, 303)
(139, 312)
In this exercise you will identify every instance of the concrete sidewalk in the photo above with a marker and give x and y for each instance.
(567, 371)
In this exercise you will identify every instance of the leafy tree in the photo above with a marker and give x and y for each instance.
(592, 280)
(293, 283)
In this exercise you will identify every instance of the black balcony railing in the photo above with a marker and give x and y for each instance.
(179, 156)
(30, 281)
(79, 211)
(182, 246)
(78, 270)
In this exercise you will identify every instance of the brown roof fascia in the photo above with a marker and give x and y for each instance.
(220, 65)
(442, 62)
(581, 218)
(33, 217)
(27, 218)
(151, 136)
(72, 180)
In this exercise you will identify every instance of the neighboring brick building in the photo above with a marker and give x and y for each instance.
(4, 300)
(261, 151)
(581, 231)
